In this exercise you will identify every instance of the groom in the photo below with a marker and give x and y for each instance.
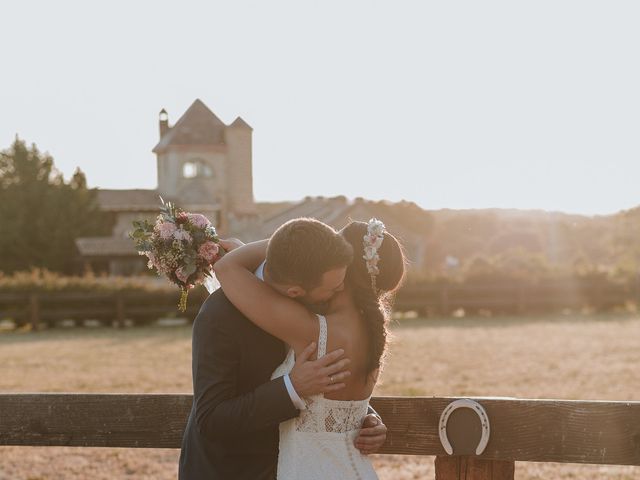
(232, 430)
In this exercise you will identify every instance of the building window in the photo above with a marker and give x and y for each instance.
(196, 168)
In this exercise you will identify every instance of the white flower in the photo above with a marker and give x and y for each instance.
(372, 265)
(374, 241)
(177, 246)
(181, 234)
(376, 227)
(370, 253)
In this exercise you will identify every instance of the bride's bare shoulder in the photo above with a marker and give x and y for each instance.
(344, 331)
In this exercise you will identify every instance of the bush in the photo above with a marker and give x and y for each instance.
(42, 280)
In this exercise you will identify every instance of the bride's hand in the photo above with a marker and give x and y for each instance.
(230, 243)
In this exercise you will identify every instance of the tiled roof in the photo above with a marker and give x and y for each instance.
(337, 212)
(129, 200)
(318, 208)
(406, 224)
(105, 246)
(197, 126)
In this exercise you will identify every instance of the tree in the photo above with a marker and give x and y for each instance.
(40, 214)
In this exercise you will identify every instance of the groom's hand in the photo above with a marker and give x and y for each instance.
(372, 435)
(324, 375)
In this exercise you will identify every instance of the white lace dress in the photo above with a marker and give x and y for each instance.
(318, 444)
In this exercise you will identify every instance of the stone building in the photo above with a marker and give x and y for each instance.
(203, 166)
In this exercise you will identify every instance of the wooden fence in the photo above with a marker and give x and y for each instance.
(514, 430)
(109, 308)
(516, 297)
(427, 299)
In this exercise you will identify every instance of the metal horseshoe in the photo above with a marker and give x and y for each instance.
(464, 403)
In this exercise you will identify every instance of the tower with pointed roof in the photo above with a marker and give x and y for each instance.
(205, 165)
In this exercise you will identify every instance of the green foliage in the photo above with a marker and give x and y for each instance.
(536, 244)
(168, 211)
(141, 234)
(41, 214)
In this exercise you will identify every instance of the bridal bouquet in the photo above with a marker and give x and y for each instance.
(181, 246)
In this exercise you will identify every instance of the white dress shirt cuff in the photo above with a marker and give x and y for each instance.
(295, 398)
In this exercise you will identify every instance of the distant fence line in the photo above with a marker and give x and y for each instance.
(427, 299)
(112, 308)
(517, 297)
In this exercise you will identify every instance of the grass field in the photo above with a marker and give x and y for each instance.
(594, 357)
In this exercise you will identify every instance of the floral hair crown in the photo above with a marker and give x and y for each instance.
(372, 241)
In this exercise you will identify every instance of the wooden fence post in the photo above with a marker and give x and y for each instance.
(598, 298)
(444, 300)
(34, 311)
(462, 467)
(522, 301)
(119, 311)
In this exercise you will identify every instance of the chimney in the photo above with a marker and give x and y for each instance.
(164, 122)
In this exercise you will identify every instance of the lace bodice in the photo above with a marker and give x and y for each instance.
(323, 414)
(319, 442)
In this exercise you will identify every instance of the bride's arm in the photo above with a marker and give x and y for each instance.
(248, 256)
(273, 312)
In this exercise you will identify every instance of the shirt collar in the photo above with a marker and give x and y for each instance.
(260, 271)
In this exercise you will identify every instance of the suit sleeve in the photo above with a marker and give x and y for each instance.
(219, 410)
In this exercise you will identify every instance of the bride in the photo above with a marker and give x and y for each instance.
(319, 442)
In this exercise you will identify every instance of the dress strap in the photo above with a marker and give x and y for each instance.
(322, 339)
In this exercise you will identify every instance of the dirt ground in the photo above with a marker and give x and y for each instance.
(575, 357)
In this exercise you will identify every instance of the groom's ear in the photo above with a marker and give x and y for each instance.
(296, 291)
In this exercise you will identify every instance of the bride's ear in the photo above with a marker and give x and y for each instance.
(296, 291)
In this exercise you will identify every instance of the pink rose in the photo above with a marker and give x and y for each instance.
(199, 220)
(181, 218)
(208, 251)
(181, 274)
(166, 229)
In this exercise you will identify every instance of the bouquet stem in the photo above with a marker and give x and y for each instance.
(182, 306)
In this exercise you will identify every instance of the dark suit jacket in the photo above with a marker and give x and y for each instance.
(232, 431)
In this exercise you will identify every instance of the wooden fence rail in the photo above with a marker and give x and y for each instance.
(444, 298)
(111, 308)
(529, 430)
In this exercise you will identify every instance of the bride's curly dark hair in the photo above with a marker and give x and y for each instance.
(374, 305)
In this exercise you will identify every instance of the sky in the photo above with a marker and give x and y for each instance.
(450, 104)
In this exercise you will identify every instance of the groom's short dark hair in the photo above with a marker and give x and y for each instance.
(301, 250)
